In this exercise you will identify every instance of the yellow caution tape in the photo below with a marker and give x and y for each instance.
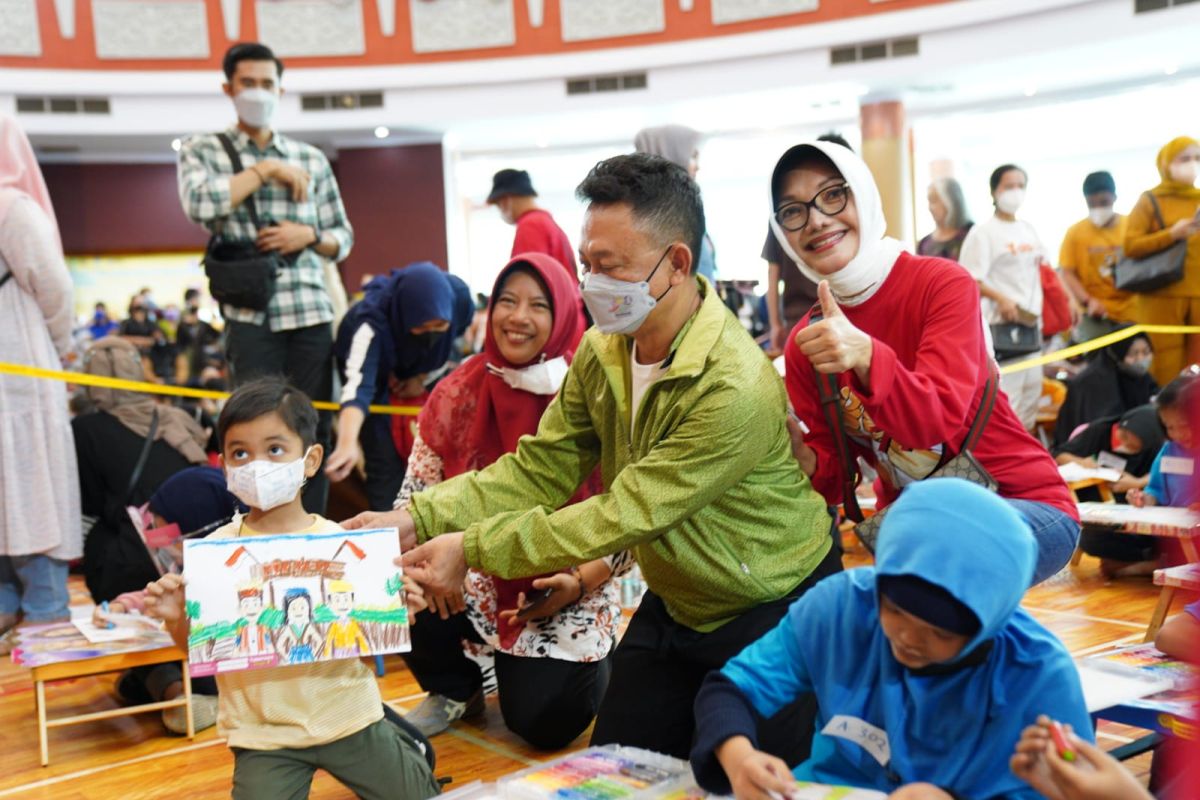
(1095, 344)
(85, 379)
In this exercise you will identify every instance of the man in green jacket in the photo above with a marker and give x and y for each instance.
(687, 419)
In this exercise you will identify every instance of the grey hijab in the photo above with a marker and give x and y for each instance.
(676, 143)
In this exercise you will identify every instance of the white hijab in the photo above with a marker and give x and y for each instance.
(858, 281)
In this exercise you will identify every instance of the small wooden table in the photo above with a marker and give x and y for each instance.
(1172, 579)
(1164, 521)
(70, 662)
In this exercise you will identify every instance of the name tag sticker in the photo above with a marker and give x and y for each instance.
(1112, 461)
(1176, 465)
(870, 738)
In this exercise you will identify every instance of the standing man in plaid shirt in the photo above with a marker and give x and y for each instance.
(301, 212)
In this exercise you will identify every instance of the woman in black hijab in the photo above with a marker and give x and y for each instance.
(1128, 444)
(1116, 380)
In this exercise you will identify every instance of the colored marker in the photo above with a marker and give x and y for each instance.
(108, 625)
(1060, 742)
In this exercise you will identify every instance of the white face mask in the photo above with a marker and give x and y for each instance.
(256, 107)
(1010, 200)
(266, 484)
(1100, 216)
(1185, 173)
(619, 306)
(545, 377)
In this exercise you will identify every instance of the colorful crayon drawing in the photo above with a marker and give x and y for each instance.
(56, 642)
(269, 601)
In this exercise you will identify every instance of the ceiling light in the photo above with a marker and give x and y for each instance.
(1030, 91)
(176, 144)
(542, 144)
(1171, 69)
(381, 132)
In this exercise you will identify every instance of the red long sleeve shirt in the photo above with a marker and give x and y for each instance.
(537, 232)
(928, 367)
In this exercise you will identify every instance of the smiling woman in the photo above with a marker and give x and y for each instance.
(551, 635)
(901, 337)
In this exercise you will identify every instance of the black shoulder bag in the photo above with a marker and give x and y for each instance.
(1154, 271)
(239, 274)
(115, 558)
(961, 465)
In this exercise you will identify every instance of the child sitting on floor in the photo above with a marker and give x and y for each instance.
(284, 723)
(1172, 478)
(924, 667)
(195, 500)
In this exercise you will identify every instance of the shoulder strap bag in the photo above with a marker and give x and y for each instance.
(115, 558)
(1155, 271)
(962, 464)
(239, 274)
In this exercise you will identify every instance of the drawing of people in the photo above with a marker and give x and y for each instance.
(299, 642)
(252, 638)
(344, 638)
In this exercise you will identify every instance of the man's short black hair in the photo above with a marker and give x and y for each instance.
(661, 195)
(998, 174)
(264, 396)
(248, 51)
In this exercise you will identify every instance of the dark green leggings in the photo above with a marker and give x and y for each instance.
(380, 761)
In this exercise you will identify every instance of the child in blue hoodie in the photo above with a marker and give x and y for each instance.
(1172, 475)
(924, 667)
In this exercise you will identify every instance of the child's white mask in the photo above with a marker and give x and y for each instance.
(266, 484)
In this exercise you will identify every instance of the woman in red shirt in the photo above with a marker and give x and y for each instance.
(904, 337)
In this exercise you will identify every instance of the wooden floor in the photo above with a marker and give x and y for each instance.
(133, 757)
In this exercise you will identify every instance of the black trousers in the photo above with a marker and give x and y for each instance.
(659, 665)
(305, 357)
(385, 465)
(545, 701)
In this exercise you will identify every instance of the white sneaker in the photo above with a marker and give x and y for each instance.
(437, 712)
(204, 715)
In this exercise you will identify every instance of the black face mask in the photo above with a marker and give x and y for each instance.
(428, 340)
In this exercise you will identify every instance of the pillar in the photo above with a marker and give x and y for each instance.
(885, 148)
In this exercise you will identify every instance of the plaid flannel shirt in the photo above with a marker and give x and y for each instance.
(301, 299)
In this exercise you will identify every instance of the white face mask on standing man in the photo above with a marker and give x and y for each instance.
(256, 107)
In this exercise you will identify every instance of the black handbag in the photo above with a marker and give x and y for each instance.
(115, 558)
(239, 274)
(1154, 271)
(1015, 339)
(962, 464)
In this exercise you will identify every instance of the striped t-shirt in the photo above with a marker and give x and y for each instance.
(297, 706)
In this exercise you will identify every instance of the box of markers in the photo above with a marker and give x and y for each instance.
(611, 772)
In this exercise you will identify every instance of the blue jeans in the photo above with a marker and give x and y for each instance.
(1055, 532)
(35, 585)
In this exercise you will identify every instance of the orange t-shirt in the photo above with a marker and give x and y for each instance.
(1091, 253)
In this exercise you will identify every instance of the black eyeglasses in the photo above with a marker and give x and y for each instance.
(829, 201)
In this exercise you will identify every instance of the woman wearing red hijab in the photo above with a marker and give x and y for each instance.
(552, 661)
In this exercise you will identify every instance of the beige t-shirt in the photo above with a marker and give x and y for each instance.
(299, 706)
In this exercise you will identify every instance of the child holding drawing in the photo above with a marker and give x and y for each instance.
(284, 723)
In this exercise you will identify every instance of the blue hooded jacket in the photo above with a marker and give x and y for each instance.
(375, 338)
(955, 725)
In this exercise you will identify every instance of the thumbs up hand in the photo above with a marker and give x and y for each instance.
(834, 345)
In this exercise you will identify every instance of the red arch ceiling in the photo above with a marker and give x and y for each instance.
(80, 53)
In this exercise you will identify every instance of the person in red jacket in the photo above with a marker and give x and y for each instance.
(903, 335)
(537, 232)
